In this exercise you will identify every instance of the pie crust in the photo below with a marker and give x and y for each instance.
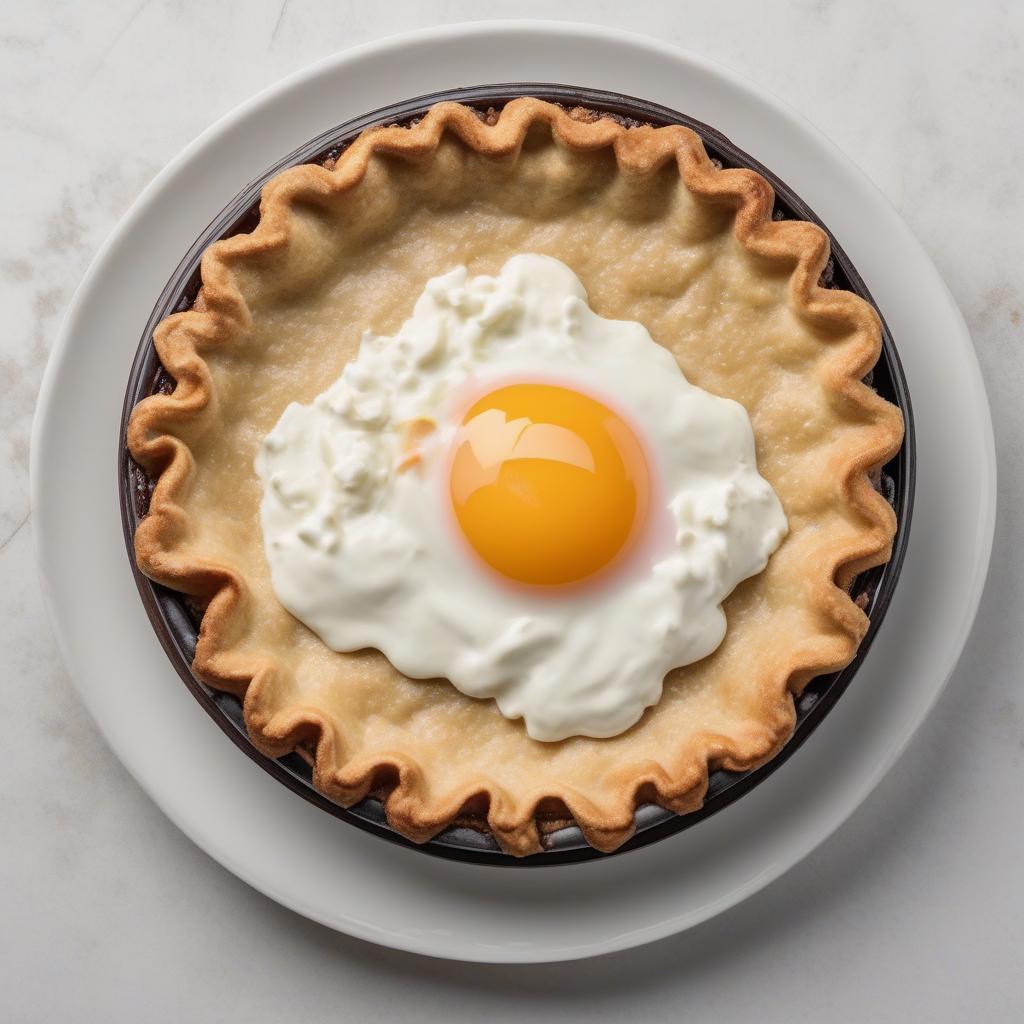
(657, 233)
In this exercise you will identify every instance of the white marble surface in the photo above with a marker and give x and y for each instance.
(912, 911)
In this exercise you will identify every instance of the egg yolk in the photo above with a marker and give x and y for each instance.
(548, 484)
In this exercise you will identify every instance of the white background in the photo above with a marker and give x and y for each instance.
(912, 911)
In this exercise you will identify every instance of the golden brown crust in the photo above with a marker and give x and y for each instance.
(166, 436)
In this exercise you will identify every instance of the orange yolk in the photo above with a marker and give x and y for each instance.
(549, 485)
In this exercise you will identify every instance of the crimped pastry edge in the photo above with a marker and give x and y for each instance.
(220, 310)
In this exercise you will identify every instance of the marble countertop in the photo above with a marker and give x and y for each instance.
(914, 910)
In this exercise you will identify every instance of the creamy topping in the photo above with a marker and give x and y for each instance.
(364, 547)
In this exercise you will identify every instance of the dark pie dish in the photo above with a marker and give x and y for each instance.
(176, 620)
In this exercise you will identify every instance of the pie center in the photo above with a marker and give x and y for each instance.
(548, 484)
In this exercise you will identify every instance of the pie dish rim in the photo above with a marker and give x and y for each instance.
(652, 830)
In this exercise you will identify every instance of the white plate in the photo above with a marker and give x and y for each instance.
(322, 867)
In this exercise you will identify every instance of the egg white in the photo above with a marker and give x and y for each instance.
(368, 556)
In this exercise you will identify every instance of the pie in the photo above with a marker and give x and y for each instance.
(658, 234)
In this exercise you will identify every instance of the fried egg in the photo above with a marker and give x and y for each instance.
(519, 496)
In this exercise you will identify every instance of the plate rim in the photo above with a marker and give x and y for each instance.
(986, 508)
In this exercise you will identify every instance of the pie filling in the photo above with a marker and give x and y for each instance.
(520, 496)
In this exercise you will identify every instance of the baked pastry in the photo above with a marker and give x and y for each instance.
(658, 235)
